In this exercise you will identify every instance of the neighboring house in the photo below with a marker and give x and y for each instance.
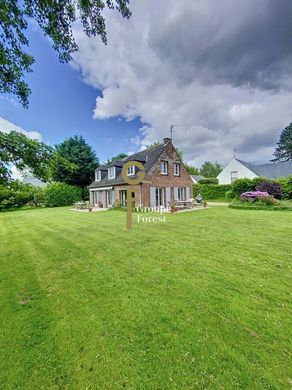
(238, 169)
(28, 178)
(166, 179)
(196, 179)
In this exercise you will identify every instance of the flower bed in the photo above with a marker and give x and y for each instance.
(254, 196)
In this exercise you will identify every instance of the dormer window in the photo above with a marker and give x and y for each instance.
(176, 169)
(131, 170)
(111, 172)
(97, 176)
(163, 167)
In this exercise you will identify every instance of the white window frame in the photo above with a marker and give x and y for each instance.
(111, 172)
(176, 169)
(163, 167)
(233, 178)
(182, 194)
(97, 176)
(159, 197)
(131, 170)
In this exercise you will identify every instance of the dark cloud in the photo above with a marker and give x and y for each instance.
(220, 67)
(228, 42)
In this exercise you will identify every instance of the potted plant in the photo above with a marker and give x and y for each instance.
(173, 208)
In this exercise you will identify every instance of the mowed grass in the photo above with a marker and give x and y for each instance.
(202, 301)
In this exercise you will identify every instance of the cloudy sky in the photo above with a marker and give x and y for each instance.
(221, 71)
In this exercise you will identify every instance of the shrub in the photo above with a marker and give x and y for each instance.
(271, 187)
(256, 206)
(241, 185)
(211, 191)
(253, 195)
(286, 187)
(16, 194)
(229, 195)
(209, 180)
(61, 194)
(258, 197)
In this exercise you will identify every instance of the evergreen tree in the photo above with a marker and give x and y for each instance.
(76, 151)
(283, 150)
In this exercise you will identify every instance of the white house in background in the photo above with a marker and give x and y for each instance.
(238, 169)
(28, 178)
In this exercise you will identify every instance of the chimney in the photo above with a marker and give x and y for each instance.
(166, 140)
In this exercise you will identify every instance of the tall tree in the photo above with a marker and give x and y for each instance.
(79, 153)
(283, 151)
(21, 151)
(209, 169)
(55, 18)
(192, 170)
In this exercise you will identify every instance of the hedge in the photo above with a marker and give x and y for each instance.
(61, 194)
(259, 207)
(209, 180)
(280, 188)
(17, 195)
(211, 191)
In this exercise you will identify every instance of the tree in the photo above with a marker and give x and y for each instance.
(283, 151)
(21, 151)
(119, 156)
(154, 145)
(209, 169)
(192, 170)
(76, 151)
(55, 18)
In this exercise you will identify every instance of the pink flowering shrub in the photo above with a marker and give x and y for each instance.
(257, 196)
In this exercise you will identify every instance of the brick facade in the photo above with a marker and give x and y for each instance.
(155, 179)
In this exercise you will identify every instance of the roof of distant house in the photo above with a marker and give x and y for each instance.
(271, 170)
(197, 178)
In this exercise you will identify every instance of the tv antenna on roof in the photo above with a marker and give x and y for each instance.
(171, 130)
(234, 153)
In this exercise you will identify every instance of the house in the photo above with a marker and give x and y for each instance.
(196, 178)
(28, 178)
(238, 169)
(166, 179)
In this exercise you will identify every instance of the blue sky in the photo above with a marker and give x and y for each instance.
(61, 105)
(220, 69)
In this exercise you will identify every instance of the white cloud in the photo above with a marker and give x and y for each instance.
(7, 126)
(196, 64)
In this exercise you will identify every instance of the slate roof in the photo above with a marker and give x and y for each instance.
(147, 157)
(271, 170)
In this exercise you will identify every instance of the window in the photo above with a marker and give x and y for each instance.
(159, 194)
(234, 175)
(131, 170)
(111, 172)
(163, 167)
(182, 194)
(176, 169)
(97, 176)
(123, 197)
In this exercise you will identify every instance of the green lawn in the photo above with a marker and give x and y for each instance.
(202, 301)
